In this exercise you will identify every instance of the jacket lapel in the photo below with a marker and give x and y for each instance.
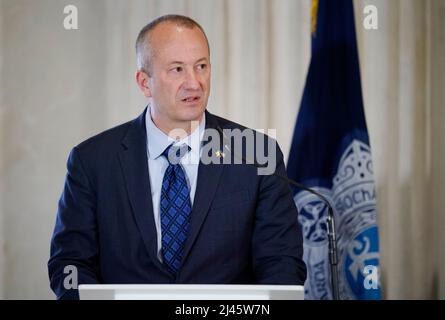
(134, 163)
(208, 179)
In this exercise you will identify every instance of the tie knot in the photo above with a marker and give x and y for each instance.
(174, 154)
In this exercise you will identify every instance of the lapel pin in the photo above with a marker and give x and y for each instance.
(220, 154)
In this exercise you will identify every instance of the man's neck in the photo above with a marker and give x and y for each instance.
(176, 130)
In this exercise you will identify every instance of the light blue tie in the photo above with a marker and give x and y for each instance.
(175, 208)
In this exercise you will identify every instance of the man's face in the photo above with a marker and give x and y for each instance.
(179, 79)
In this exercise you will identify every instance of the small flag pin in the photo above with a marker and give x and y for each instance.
(220, 154)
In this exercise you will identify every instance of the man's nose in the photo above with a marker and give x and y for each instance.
(191, 80)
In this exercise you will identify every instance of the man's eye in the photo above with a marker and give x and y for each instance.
(202, 66)
(177, 69)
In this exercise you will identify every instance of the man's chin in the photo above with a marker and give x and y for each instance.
(193, 115)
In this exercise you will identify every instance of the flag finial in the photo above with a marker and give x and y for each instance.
(314, 11)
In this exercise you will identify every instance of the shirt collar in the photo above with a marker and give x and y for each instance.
(158, 141)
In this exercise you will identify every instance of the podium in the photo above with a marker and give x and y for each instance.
(190, 292)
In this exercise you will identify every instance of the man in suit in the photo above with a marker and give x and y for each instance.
(133, 210)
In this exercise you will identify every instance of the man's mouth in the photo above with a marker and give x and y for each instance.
(191, 99)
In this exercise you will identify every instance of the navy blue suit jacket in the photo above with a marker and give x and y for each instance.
(243, 228)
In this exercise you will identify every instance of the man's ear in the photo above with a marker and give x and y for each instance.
(142, 79)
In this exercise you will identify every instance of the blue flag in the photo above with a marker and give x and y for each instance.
(330, 152)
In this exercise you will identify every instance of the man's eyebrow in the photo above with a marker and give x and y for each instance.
(202, 59)
(176, 62)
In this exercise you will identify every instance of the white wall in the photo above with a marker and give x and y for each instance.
(437, 97)
(59, 87)
(2, 146)
(53, 97)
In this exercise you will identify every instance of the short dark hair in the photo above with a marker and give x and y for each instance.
(143, 54)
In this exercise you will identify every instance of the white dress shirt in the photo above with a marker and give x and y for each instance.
(157, 142)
